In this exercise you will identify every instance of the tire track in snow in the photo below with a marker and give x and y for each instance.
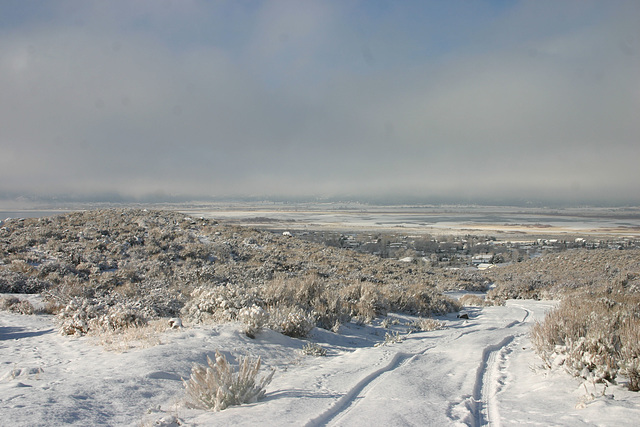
(350, 398)
(527, 314)
(485, 406)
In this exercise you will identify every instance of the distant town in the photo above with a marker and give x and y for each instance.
(473, 251)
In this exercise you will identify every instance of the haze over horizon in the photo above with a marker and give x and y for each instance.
(457, 100)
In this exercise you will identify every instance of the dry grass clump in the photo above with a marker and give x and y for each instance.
(594, 335)
(122, 340)
(217, 386)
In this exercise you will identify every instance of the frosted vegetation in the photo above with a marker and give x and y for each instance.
(595, 331)
(110, 270)
(220, 385)
(125, 273)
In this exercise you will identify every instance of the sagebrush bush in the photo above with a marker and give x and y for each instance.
(254, 319)
(320, 299)
(471, 300)
(16, 305)
(218, 303)
(391, 338)
(16, 281)
(82, 315)
(594, 335)
(630, 352)
(217, 386)
(291, 321)
(313, 349)
(426, 325)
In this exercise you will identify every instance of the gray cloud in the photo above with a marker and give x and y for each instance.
(293, 98)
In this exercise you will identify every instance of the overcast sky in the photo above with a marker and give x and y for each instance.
(458, 99)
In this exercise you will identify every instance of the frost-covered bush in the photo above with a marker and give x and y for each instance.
(217, 386)
(81, 315)
(291, 321)
(417, 299)
(254, 319)
(471, 300)
(17, 282)
(391, 338)
(630, 353)
(310, 294)
(592, 336)
(16, 305)
(313, 349)
(426, 325)
(219, 303)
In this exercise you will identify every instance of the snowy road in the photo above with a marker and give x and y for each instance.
(476, 372)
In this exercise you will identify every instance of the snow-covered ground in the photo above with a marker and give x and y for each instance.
(480, 371)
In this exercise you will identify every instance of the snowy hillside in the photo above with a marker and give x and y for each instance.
(86, 334)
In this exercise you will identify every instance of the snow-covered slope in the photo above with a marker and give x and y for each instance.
(480, 371)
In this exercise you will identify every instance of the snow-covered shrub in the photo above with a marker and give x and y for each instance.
(219, 303)
(119, 317)
(254, 319)
(16, 305)
(471, 300)
(81, 315)
(17, 282)
(291, 321)
(74, 317)
(217, 386)
(592, 336)
(418, 299)
(311, 293)
(313, 349)
(630, 352)
(426, 325)
(365, 301)
(391, 338)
